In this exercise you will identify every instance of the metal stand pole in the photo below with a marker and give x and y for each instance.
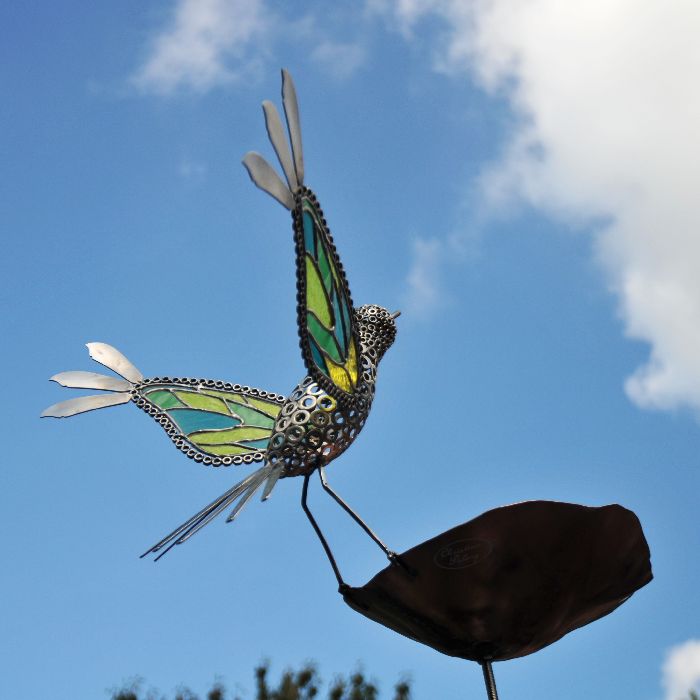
(489, 680)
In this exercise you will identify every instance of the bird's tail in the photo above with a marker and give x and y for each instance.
(120, 390)
(239, 494)
(291, 160)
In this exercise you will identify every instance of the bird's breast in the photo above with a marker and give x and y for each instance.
(313, 428)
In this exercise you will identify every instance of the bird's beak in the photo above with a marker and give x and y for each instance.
(396, 314)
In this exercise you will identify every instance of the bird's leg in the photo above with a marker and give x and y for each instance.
(342, 586)
(393, 557)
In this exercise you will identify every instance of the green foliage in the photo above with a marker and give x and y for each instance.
(125, 694)
(304, 684)
(293, 686)
(357, 688)
(694, 695)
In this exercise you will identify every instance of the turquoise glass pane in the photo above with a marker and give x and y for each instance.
(309, 234)
(317, 356)
(345, 309)
(339, 327)
(324, 268)
(257, 444)
(189, 420)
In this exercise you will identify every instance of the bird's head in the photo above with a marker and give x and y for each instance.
(377, 328)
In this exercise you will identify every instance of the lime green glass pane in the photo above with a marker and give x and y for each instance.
(321, 241)
(207, 403)
(271, 409)
(163, 399)
(324, 338)
(316, 299)
(251, 416)
(221, 437)
(223, 450)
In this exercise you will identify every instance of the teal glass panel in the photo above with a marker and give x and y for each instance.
(339, 326)
(257, 444)
(318, 357)
(345, 310)
(324, 267)
(309, 234)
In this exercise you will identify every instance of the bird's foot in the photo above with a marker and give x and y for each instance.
(396, 560)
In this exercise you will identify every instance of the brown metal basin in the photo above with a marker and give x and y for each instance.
(511, 581)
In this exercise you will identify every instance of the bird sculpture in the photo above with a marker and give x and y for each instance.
(218, 423)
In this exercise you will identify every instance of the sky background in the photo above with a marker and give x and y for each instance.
(519, 177)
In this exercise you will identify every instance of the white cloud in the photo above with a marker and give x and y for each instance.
(338, 59)
(424, 293)
(192, 170)
(608, 135)
(681, 670)
(196, 49)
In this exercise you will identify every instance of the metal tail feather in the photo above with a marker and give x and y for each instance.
(120, 389)
(291, 112)
(263, 176)
(261, 172)
(243, 490)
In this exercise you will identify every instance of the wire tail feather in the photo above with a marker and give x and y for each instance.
(242, 490)
(271, 482)
(261, 476)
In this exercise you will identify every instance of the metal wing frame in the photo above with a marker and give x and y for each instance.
(324, 381)
(180, 439)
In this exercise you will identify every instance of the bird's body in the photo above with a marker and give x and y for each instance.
(217, 423)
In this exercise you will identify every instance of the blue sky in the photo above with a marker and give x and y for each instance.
(517, 177)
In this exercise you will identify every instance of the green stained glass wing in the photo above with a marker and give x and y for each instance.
(213, 422)
(326, 325)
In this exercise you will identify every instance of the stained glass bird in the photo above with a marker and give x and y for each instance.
(220, 424)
